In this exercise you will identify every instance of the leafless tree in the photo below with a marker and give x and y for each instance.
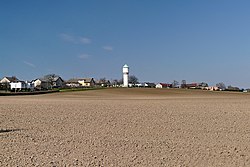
(175, 84)
(221, 85)
(102, 80)
(133, 79)
(183, 84)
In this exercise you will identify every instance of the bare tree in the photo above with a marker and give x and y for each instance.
(175, 84)
(50, 78)
(115, 82)
(183, 84)
(221, 85)
(133, 79)
(102, 80)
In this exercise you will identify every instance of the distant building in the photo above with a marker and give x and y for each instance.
(191, 86)
(37, 82)
(87, 82)
(163, 85)
(57, 82)
(139, 85)
(9, 79)
(41, 84)
(211, 88)
(73, 83)
(201, 85)
(29, 85)
(21, 85)
(148, 85)
(5, 82)
(81, 82)
(18, 85)
(46, 83)
(232, 88)
(103, 83)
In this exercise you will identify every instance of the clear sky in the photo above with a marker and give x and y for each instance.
(161, 41)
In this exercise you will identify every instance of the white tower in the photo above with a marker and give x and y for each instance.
(125, 71)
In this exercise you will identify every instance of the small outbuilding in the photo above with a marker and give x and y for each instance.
(163, 85)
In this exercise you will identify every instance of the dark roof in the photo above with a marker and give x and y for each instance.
(166, 85)
(47, 80)
(12, 79)
(150, 84)
(102, 82)
(88, 80)
(74, 80)
(192, 85)
(57, 78)
(41, 79)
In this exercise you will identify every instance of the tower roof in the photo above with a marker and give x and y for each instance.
(125, 66)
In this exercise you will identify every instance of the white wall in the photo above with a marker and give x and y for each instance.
(37, 83)
(158, 86)
(125, 80)
(17, 85)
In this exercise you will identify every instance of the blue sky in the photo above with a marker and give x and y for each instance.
(161, 40)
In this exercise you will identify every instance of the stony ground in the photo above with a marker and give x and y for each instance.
(126, 127)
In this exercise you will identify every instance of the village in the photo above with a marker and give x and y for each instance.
(53, 81)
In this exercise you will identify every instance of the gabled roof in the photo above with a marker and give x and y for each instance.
(12, 79)
(18, 81)
(192, 85)
(56, 78)
(102, 82)
(149, 84)
(165, 84)
(47, 80)
(41, 79)
(75, 80)
(88, 80)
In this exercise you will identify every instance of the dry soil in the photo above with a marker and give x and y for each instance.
(126, 127)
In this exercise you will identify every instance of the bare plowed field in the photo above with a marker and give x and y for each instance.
(126, 127)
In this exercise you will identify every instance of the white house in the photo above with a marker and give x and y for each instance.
(159, 85)
(163, 85)
(41, 84)
(8, 79)
(37, 82)
(87, 82)
(18, 85)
